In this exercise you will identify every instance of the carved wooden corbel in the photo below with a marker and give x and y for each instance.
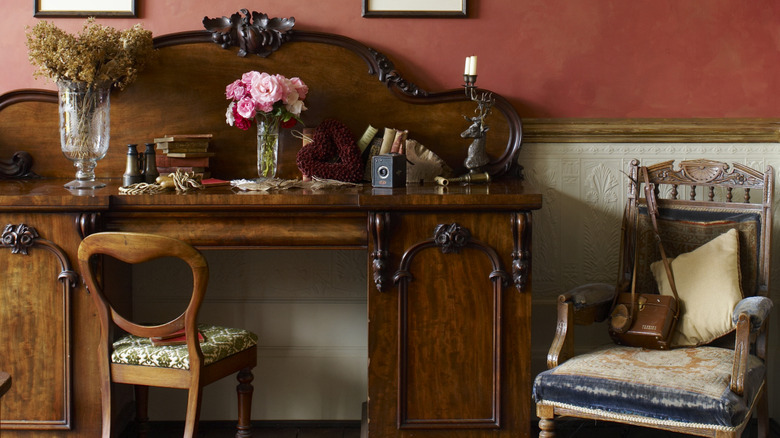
(88, 223)
(521, 256)
(378, 226)
(255, 33)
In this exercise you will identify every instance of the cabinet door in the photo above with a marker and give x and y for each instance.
(449, 337)
(35, 346)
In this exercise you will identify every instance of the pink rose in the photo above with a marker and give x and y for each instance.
(247, 77)
(246, 108)
(265, 88)
(290, 94)
(236, 90)
(300, 87)
(264, 107)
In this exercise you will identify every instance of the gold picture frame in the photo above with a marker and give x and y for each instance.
(415, 8)
(85, 8)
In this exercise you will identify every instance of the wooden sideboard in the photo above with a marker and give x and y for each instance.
(449, 293)
(449, 290)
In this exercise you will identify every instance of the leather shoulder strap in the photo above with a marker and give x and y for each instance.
(652, 211)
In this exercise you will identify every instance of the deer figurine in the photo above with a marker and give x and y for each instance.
(476, 156)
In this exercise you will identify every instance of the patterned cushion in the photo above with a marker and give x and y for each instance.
(219, 343)
(685, 229)
(674, 387)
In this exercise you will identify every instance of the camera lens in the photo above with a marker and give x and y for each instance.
(383, 172)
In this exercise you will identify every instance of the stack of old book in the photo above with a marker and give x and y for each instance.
(188, 153)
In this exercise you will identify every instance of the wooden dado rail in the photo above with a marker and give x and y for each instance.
(705, 130)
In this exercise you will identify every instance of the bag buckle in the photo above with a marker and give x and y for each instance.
(641, 301)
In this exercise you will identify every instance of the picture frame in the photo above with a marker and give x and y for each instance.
(415, 8)
(85, 8)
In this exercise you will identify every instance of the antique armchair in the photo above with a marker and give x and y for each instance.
(133, 359)
(713, 382)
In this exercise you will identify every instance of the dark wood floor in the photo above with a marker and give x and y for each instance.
(226, 429)
(348, 429)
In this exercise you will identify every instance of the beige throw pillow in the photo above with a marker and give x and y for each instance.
(708, 284)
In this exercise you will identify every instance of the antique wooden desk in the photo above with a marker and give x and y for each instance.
(449, 291)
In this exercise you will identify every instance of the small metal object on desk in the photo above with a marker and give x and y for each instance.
(468, 178)
(150, 164)
(133, 169)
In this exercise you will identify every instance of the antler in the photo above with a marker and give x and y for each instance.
(484, 105)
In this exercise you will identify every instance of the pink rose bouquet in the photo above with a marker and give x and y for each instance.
(264, 95)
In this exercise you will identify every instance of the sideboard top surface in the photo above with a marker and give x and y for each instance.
(45, 194)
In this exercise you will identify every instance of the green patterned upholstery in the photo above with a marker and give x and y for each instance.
(219, 343)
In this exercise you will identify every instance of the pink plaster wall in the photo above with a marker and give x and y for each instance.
(550, 58)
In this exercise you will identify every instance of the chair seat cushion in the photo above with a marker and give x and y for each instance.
(218, 343)
(685, 385)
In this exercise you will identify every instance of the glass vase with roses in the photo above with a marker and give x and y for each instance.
(272, 101)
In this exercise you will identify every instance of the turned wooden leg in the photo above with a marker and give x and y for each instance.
(763, 415)
(194, 397)
(142, 410)
(546, 416)
(244, 389)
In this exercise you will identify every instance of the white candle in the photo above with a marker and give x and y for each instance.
(473, 65)
(468, 65)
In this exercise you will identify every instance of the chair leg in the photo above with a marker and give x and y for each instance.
(763, 415)
(244, 389)
(193, 411)
(105, 390)
(142, 410)
(546, 416)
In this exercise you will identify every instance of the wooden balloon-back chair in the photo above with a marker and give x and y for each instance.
(708, 390)
(133, 359)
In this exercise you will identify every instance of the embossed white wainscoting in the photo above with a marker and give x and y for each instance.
(576, 233)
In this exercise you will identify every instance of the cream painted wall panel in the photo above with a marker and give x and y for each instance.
(309, 311)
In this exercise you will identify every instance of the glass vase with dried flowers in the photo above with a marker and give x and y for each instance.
(85, 67)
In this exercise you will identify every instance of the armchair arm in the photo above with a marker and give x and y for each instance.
(582, 305)
(592, 302)
(750, 317)
(757, 309)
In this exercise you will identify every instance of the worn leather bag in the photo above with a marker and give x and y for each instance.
(646, 320)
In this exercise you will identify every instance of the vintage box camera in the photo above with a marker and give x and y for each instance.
(388, 170)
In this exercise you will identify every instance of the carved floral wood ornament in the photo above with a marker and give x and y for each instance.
(18, 166)
(255, 33)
